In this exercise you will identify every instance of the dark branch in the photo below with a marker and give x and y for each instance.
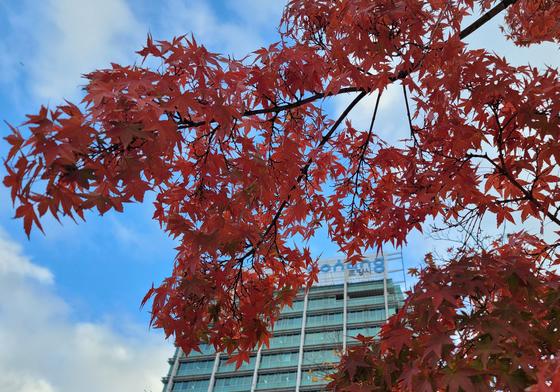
(485, 18)
(363, 150)
(278, 108)
(183, 123)
(401, 75)
(303, 173)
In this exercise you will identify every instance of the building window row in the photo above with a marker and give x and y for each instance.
(195, 367)
(366, 315)
(288, 323)
(314, 377)
(191, 386)
(230, 367)
(370, 300)
(368, 331)
(319, 357)
(324, 319)
(279, 360)
(276, 380)
(324, 303)
(205, 349)
(232, 384)
(284, 341)
(324, 337)
(297, 306)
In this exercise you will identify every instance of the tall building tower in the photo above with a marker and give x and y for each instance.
(308, 338)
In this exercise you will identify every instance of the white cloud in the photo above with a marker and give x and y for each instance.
(78, 37)
(262, 12)
(52, 43)
(45, 350)
(238, 38)
(127, 234)
(13, 262)
(24, 383)
(390, 123)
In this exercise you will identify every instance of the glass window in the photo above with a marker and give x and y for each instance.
(191, 386)
(336, 287)
(285, 341)
(297, 306)
(288, 323)
(325, 303)
(367, 315)
(231, 384)
(230, 367)
(279, 360)
(206, 349)
(367, 300)
(372, 331)
(314, 377)
(195, 367)
(320, 357)
(373, 285)
(329, 337)
(324, 319)
(276, 380)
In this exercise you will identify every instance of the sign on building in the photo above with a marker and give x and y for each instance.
(373, 267)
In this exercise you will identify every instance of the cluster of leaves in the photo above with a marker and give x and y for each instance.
(484, 321)
(243, 158)
(534, 22)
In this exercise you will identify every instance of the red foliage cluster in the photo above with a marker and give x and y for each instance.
(242, 156)
(534, 21)
(485, 321)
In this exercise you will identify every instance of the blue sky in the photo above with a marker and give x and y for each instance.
(106, 264)
(70, 298)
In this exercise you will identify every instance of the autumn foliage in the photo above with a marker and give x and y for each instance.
(243, 157)
(484, 321)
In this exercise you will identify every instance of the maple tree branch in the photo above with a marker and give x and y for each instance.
(323, 141)
(463, 33)
(467, 225)
(292, 105)
(183, 123)
(528, 195)
(409, 118)
(485, 18)
(303, 172)
(363, 149)
(512, 200)
(277, 108)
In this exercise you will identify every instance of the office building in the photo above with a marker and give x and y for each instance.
(308, 338)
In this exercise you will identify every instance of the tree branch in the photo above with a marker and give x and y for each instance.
(485, 18)
(277, 108)
(528, 195)
(303, 172)
(363, 149)
(401, 75)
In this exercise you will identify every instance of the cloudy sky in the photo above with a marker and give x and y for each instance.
(69, 300)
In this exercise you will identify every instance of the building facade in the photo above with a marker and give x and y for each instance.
(308, 338)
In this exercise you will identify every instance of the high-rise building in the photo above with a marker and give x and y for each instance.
(308, 338)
